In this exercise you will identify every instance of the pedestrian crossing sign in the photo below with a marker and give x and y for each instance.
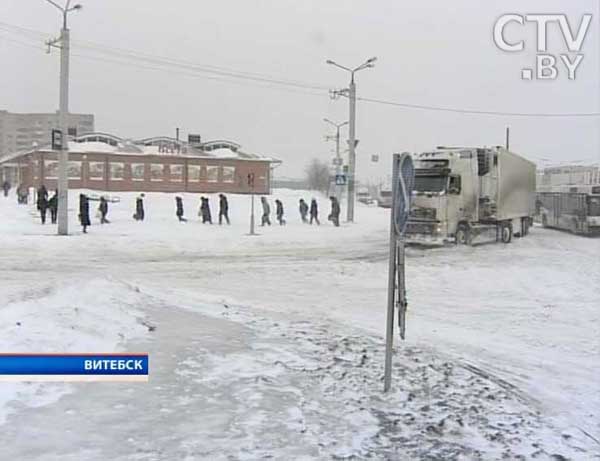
(340, 179)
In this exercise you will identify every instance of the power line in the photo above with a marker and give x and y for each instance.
(477, 112)
(188, 73)
(261, 80)
(153, 59)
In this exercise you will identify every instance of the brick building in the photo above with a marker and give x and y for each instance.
(101, 161)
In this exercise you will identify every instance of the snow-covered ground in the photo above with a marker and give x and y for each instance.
(271, 345)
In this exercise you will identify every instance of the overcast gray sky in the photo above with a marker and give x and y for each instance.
(433, 52)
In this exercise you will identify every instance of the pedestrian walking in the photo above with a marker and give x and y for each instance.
(53, 206)
(334, 216)
(303, 208)
(103, 209)
(84, 212)
(179, 209)
(266, 216)
(42, 202)
(314, 212)
(279, 212)
(22, 194)
(6, 187)
(139, 208)
(223, 209)
(205, 210)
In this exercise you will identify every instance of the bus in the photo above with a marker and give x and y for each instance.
(572, 208)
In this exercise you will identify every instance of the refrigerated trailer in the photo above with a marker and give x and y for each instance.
(576, 210)
(468, 195)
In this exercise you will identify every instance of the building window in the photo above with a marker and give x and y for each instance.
(96, 171)
(228, 174)
(157, 172)
(117, 171)
(138, 171)
(176, 173)
(194, 173)
(212, 173)
(74, 170)
(51, 169)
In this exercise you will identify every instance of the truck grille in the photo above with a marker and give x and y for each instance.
(420, 228)
(423, 213)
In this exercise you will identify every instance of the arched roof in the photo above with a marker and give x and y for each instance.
(220, 144)
(158, 139)
(98, 136)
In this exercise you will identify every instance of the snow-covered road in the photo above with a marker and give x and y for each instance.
(502, 357)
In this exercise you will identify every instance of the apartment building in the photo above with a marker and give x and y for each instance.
(20, 132)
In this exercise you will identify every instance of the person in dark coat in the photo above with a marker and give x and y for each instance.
(179, 212)
(334, 217)
(205, 210)
(84, 212)
(314, 212)
(53, 205)
(103, 209)
(6, 187)
(139, 208)
(279, 212)
(266, 216)
(303, 208)
(223, 209)
(22, 195)
(42, 202)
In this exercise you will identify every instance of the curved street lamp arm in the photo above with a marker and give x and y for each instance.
(367, 64)
(333, 63)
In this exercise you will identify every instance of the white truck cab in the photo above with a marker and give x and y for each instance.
(460, 194)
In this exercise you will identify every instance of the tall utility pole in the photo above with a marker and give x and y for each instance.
(351, 93)
(63, 42)
(338, 158)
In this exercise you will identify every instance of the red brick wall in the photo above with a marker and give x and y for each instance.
(238, 184)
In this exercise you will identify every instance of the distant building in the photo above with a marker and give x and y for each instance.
(549, 179)
(102, 161)
(290, 183)
(24, 131)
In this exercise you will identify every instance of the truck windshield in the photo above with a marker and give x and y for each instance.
(430, 183)
(594, 206)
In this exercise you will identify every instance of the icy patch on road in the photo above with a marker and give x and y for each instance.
(301, 388)
(91, 316)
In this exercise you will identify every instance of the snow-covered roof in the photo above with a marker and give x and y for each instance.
(103, 143)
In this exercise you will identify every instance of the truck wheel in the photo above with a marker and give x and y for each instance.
(463, 235)
(506, 232)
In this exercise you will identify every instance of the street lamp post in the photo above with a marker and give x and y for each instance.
(338, 158)
(351, 92)
(63, 42)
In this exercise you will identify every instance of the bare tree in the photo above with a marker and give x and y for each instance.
(317, 175)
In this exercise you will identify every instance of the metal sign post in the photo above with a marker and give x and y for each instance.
(402, 186)
(251, 186)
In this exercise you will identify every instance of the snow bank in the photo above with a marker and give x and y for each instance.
(88, 316)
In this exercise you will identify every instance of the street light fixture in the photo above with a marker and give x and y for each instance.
(369, 63)
(63, 42)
